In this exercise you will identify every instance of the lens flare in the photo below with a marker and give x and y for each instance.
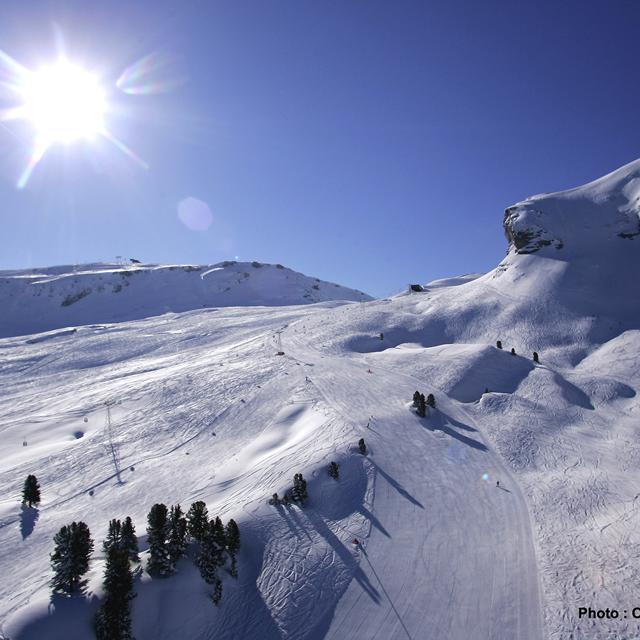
(195, 214)
(154, 73)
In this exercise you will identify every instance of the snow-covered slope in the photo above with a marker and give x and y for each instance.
(37, 300)
(206, 410)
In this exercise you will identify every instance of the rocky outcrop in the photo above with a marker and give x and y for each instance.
(524, 232)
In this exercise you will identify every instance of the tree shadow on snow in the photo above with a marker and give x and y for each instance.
(396, 485)
(343, 553)
(28, 518)
(293, 520)
(393, 606)
(374, 521)
(443, 422)
(64, 617)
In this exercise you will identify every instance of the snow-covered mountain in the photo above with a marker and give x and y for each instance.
(37, 300)
(205, 410)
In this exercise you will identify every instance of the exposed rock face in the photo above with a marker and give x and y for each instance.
(522, 226)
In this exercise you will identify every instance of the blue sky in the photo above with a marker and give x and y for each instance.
(368, 143)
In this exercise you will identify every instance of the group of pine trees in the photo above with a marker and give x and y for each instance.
(70, 561)
(298, 493)
(216, 543)
(169, 533)
(421, 403)
(536, 357)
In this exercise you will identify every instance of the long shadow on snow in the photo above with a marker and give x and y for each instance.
(441, 421)
(396, 485)
(28, 518)
(344, 554)
(393, 606)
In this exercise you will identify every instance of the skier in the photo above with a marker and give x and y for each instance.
(498, 483)
(356, 542)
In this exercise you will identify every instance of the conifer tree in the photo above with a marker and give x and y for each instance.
(422, 406)
(113, 621)
(362, 447)
(333, 470)
(535, 357)
(416, 398)
(197, 520)
(499, 344)
(157, 534)
(513, 351)
(129, 540)
(274, 500)
(114, 536)
(232, 537)
(31, 491)
(299, 491)
(210, 556)
(177, 543)
(217, 591)
(70, 558)
(431, 401)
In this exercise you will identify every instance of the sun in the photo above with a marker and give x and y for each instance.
(64, 103)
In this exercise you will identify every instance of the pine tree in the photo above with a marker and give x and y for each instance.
(299, 491)
(416, 398)
(129, 540)
(114, 536)
(431, 401)
(513, 351)
(232, 536)
(70, 558)
(177, 544)
(197, 520)
(422, 406)
(362, 447)
(333, 470)
(210, 555)
(113, 621)
(219, 535)
(31, 491)
(217, 591)
(274, 500)
(157, 533)
(499, 344)
(535, 357)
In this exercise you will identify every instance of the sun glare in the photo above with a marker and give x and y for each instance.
(64, 103)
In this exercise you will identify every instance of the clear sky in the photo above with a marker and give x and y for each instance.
(368, 143)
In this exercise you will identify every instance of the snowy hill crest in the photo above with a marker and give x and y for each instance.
(606, 210)
(38, 300)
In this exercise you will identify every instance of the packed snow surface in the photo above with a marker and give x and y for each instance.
(205, 410)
